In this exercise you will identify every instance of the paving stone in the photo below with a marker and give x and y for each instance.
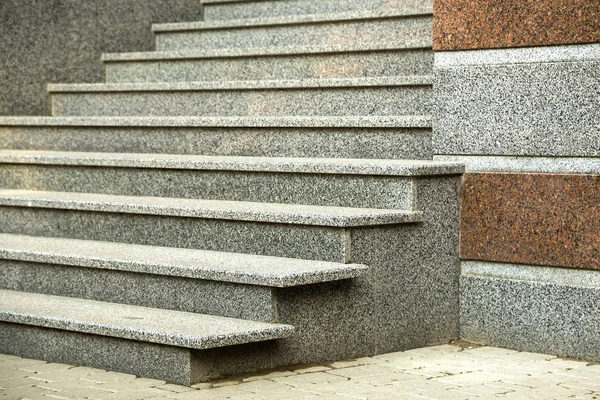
(312, 368)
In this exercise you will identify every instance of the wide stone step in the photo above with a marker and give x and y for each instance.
(269, 63)
(165, 335)
(332, 137)
(241, 9)
(200, 281)
(390, 27)
(409, 95)
(319, 181)
(282, 230)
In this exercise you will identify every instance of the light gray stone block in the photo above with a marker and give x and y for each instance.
(221, 10)
(526, 109)
(310, 30)
(312, 97)
(531, 315)
(137, 288)
(182, 263)
(270, 63)
(337, 137)
(167, 327)
(275, 213)
(547, 165)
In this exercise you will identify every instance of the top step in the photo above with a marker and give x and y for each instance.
(243, 9)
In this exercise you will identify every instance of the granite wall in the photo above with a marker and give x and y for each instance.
(525, 118)
(62, 40)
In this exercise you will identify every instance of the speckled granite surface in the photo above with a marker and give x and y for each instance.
(531, 315)
(539, 219)
(223, 10)
(173, 328)
(475, 24)
(184, 263)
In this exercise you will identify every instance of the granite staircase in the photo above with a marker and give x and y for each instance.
(258, 192)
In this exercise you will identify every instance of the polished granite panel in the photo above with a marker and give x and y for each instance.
(477, 24)
(537, 219)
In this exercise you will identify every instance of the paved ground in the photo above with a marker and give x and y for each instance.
(442, 372)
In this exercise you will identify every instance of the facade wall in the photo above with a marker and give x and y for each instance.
(61, 41)
(525, 118)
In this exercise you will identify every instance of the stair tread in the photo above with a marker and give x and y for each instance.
(257, 51)
(387, 167)
(211, 209)
(187, 263)
(288, 20)
(175, 328)
(411, 80)
(412, 121)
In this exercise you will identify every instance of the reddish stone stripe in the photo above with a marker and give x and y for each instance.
(539, 219)
(485, 24)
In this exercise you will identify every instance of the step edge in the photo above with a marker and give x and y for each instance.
(262, 332)
(326, 166)
(329, 272)
(256, 52)
(410, 80)
(306, 19)
(369, 217)
(414, 121)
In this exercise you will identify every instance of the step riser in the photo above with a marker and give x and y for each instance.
(254, 303)
(400, 32)
(267, 9)
(316, 189)
(293, 241)
(349, 65)
(173, 364)
(396, 100)
(391, 143)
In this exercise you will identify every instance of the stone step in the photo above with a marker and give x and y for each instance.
(167, 338)
(269, 63)
(241, 9)
(200, 281)
(318, 181)
(332, 137)
(311, 97)
(352, 28)
(281, 230)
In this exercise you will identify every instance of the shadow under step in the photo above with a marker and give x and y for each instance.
(148, 342)
(351, 28)
(405, 137)
(403, 95)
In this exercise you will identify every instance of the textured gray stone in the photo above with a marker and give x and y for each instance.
(529, 109)
(548, 275)
(60, 41)
(535, 316)
(137, 288)
(220, 10)
(256, 64)
(342, 166)
(344, 137)
(310, 30)
(325, 216)
(184, 263)
(280, 240)
(553, 165)
(173, 328)
(310, 97)
(173, 364)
